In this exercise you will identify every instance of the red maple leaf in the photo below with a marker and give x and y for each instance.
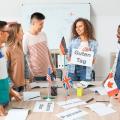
(110, 84)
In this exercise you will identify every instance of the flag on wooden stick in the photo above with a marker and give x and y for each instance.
(67, 82)
(63, 47)
(48, 75)
(110, 85)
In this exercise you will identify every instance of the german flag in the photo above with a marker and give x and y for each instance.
(63, 47)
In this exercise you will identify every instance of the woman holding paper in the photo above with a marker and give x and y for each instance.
(83, 40)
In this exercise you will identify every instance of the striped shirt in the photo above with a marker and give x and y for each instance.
(36, 49)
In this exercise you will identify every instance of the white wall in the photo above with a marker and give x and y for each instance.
(105, 27)
(10, 10)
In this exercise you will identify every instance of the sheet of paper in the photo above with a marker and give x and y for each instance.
(72, 114)
(71, 103)
(28, 96)
(39, 84)
(21, 114)
(83, 84)
(101, 109)
(43, 84)
(43, 107)
(101, 90)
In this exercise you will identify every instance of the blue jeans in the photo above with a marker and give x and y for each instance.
(79, 74)
(117, 72)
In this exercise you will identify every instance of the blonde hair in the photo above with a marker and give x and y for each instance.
(14, 29)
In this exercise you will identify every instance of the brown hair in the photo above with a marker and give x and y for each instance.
(14, 29)
(89, 30)
(118, 26)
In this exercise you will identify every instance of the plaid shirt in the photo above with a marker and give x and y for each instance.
(74, 44)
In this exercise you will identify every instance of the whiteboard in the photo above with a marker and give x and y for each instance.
(59, 19)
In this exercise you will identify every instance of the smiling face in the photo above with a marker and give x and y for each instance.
(20, 34)
(4, 33)
(37, 25)
(80, 29)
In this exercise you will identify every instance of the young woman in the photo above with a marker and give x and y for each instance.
(82, 39)
(5, 90)
(15, 56)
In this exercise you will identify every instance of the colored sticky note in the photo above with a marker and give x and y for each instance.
(79, 91)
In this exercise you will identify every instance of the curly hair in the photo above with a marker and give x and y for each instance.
(88, 29)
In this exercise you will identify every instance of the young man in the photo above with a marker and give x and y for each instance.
(35, 48)
(4, 79)
(117, 72)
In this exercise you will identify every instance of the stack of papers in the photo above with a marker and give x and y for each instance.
(28, 96)
(44, 107)
(39, 84)
(101, 109)
(71, 103)
(43, 85)
(21, 114)
(72, 114)
(83, 84)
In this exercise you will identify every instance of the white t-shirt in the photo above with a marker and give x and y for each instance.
(3, 64)
(36, 48)
(83, 45)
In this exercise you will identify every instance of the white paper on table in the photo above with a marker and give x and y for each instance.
(43, 107)
(83, 84)
(28, 96)
(101, 109)
(72, 114)
(21, 114)
(71, 103)
(101, 90)
(39, 84)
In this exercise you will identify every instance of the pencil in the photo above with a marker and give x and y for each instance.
(89, 100)
(33, 97)
(101, 101)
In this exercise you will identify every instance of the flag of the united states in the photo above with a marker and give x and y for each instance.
(48, 75)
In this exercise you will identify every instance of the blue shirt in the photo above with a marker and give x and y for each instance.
(74, 44)
(117, 72)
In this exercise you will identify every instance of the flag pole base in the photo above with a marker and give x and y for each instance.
(48, 98)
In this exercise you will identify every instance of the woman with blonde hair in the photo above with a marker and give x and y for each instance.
(16, 57)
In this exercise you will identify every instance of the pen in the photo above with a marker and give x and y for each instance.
(102, 101)
(89, 100)
(17, 108)
(33, 97)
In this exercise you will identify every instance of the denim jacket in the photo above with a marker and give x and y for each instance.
(117, 72)
(74, 44)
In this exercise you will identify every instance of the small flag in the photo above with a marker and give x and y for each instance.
(110, 85)
(67, 82)
(63, 47)
(48, 75)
